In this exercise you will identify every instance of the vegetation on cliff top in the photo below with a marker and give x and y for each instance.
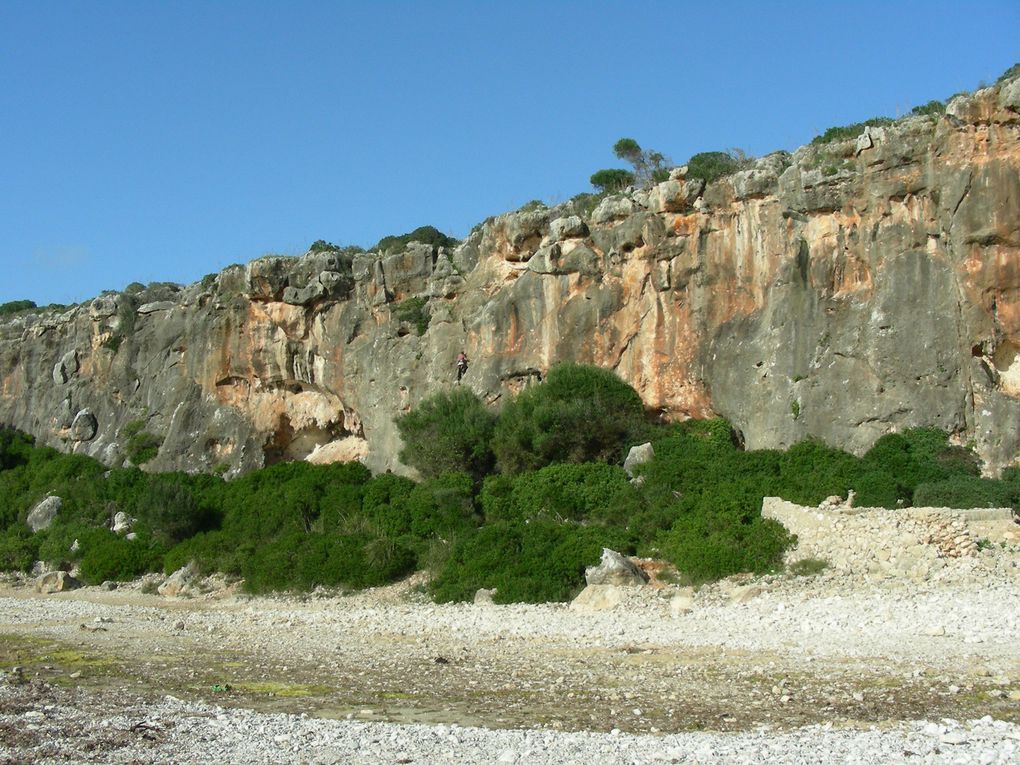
(521, 501)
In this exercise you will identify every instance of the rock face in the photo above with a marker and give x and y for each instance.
(845, 291)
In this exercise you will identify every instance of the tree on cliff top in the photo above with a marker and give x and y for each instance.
(649, 166)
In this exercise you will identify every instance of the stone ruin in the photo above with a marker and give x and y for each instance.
(912, 542)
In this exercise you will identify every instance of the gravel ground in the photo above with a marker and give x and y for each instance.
(813, 669)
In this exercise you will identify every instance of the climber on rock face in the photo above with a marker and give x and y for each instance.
(462, 365)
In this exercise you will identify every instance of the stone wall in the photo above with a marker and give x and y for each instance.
(912, 542)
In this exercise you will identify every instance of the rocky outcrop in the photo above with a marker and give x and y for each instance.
(843, 291)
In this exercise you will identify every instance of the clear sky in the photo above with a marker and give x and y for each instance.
(149, 141)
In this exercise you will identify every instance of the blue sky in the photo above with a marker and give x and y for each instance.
(145, 141)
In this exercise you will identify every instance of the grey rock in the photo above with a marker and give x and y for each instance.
(484, 597)
(103, 307)
(570, 227)
(638, 455)
(156, 307)
(66, 368)
(84, 426)
(612, 209)
(614, 569)
(179, 583)
(1009, 95)
(42, 515)
(598, 597)
(55, 581)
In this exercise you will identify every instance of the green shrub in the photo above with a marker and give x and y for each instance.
(1009, 74)
(424, 234)
(591, 493)
(413, 311)
(712, 165)
(16, 306)
(532, 206)
(141, 445)
(579, 414)
(526, 562)
(170, 509)
(917, 456)
(448, 432)
(611, 180)
(930, 109)
(321, 245)
(573, 492)
(106, 556)
(712, 546)
(808, 567)
(15, 448)
(966, 491)
(19, 548)
(847, 132)
(301, 562)
(584, 204)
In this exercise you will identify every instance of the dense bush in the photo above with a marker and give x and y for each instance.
(930, 109)
(448, 432)
(141, 445)
(424, 234)
(172, 506)
(963, 491)
(847, 132)
(709, 546)
(578, 414)
(19, 548)
(712, 165)
(525, 562)
(16, 306)
(107, 556)
(414, 311)
(321, 245)
(611, 180)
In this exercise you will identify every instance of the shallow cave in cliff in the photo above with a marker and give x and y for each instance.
(290, 444)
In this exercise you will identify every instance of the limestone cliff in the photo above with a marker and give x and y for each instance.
(844, 291)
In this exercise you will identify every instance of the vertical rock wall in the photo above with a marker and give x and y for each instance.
(844, 291)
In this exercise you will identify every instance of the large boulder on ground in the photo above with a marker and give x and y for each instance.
(41, 516)
(178, 583)
(598, 597)
(56, 581)
(638, 455)
(614, 569)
